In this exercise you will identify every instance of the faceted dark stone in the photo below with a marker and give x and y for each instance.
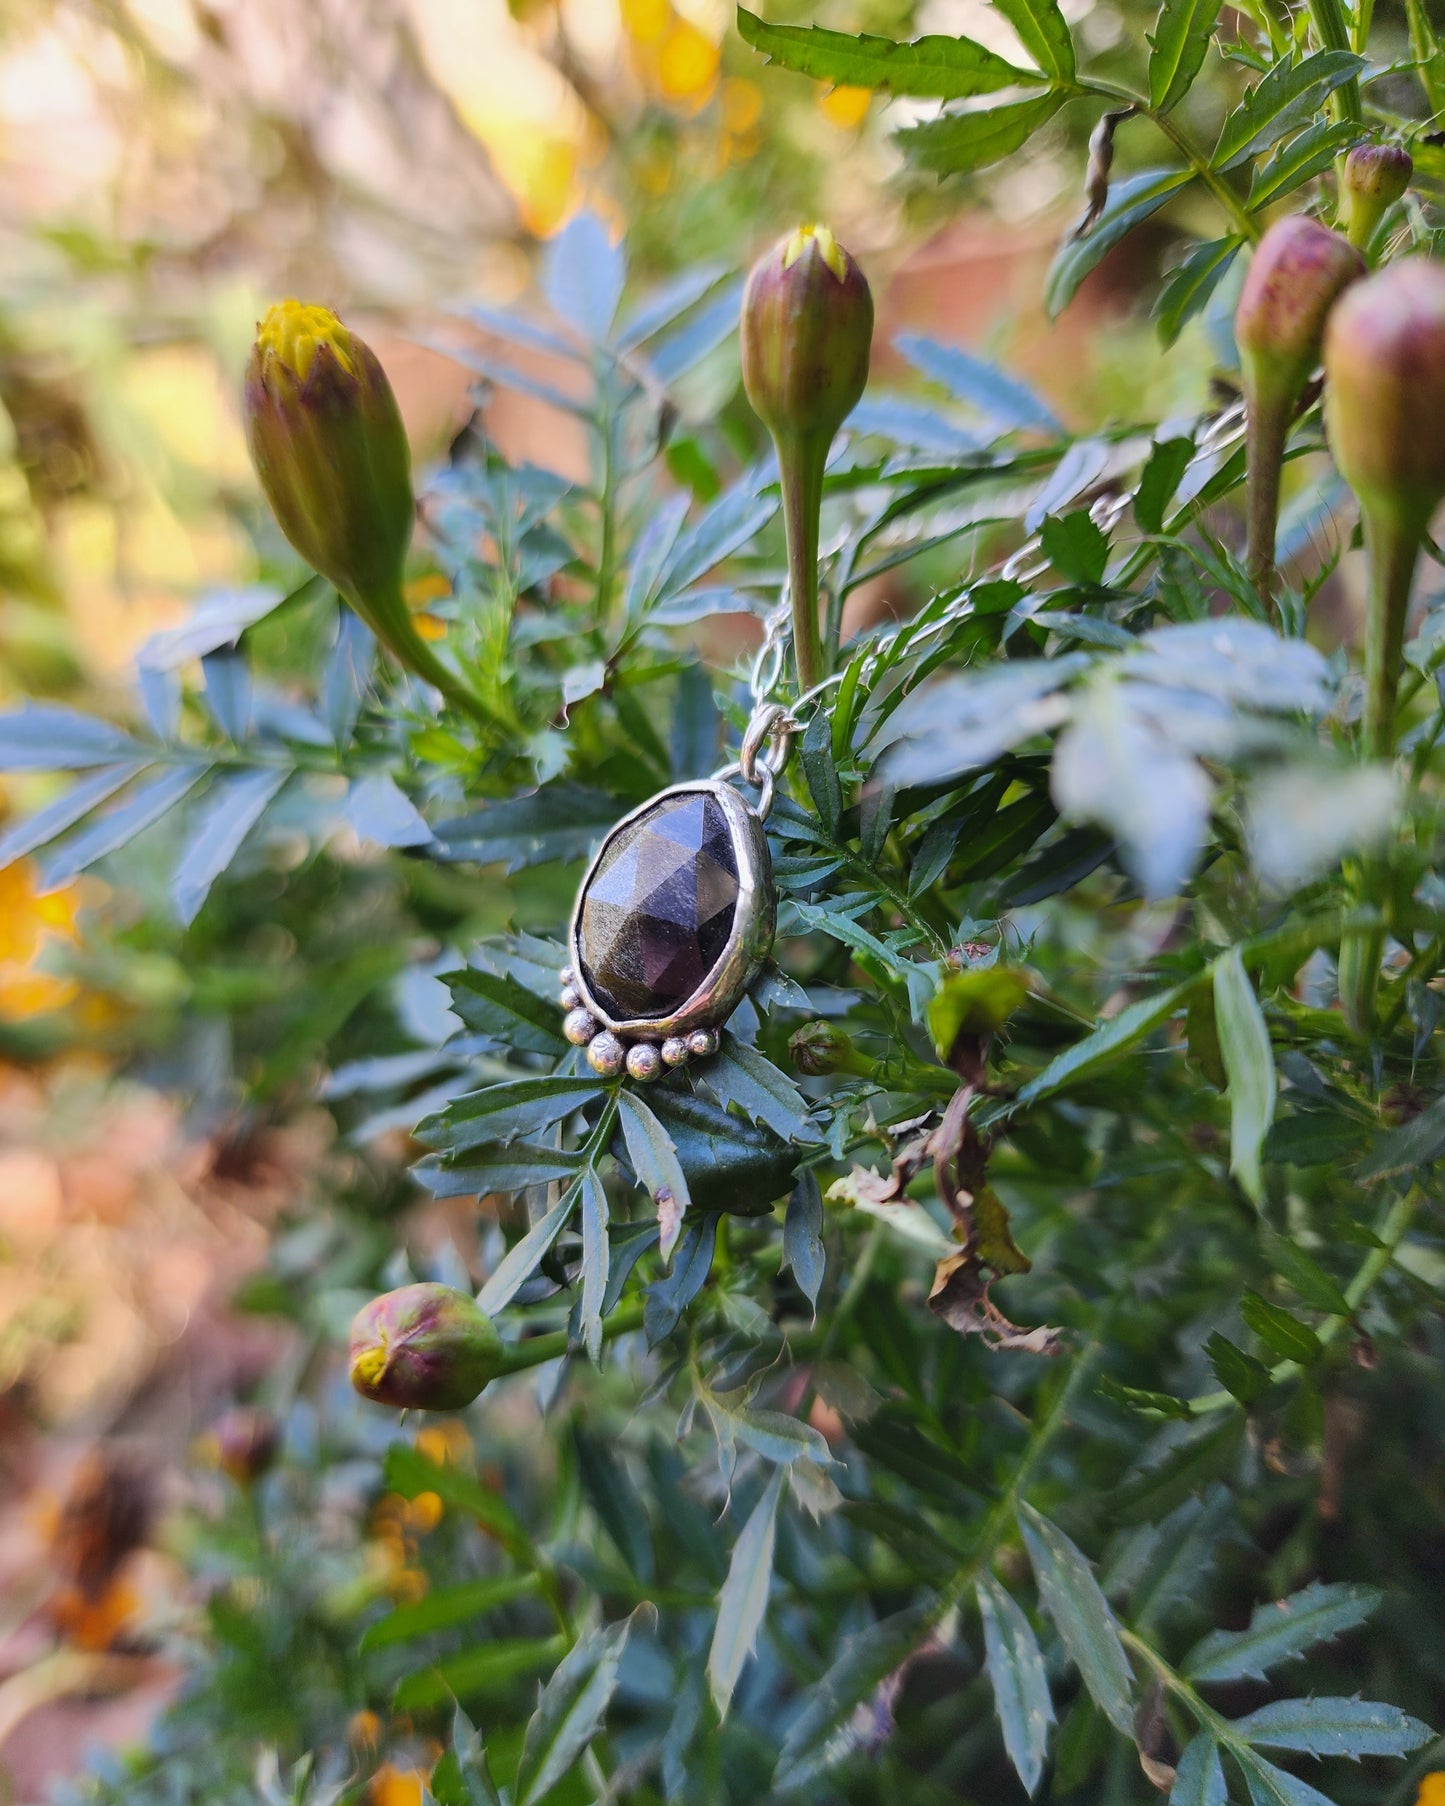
(659, 908)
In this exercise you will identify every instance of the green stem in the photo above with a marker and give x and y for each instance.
(1392, 544)
(801, 462)
(389, 619)
(607, 555)
(1328, 19)
(1391, 1233)
(1266, 431)
(1247, 226)
(536, 1351)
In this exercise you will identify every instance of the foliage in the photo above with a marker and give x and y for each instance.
(1066, 861)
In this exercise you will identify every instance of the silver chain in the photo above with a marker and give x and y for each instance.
(772, 725)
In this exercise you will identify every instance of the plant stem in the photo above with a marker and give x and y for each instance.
(1239, 214)
(801, 462)
(1392, 545)
(1328, 19)
(390, 620)
(1391, 1233)
(1266, 431)
(537, 1350)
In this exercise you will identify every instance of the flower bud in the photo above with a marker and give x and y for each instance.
(424, 1347)
(807, 329)
(1385, 414)
(820, 1048)
(1375, 177)
(1385, 397)
(327, 440)
(1297, 272)
(245, 1440)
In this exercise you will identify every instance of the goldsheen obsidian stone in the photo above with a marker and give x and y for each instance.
(658, 909)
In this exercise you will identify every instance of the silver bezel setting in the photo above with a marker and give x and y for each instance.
(748, 943)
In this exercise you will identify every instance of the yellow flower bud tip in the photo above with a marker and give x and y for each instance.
(294, 331)
(369, 1367)
(820, 239)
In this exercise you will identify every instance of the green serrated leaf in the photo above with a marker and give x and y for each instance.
(507, 1011)
(1020, 1686)
(596, 1263)
(500, 1113)
(931, 68)
(654, 1160)
(1249, 1066)
(610, 1492)
(1305, 1274)
(1271, 1786)
(1334, 1727)
(519, 1263)
(1282, 101)
(1187, 289)
(1081, 1616)
(739, 1074)
(1087, 1058)
(1138, 1399)
(1076, 546)
(1304, 156)
(1177, 49)
(571, 1710)
(1239, 1373)
(1280, 1330)
(1199, 1780)
(956, 143)
(1281, 1632)
(446, 1607)
(826, 1729)
(489, 1668)
(744, 1596)
(1044, 33)
(1129, 203)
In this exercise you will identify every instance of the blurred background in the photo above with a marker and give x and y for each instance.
(167, 168)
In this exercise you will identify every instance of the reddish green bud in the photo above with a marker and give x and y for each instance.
(1385, 394)
(245, 1439)
(423, 1347)
(1375, 177)
(1385, 414)
(1296, 275)
(807, 330)
(327, 440)
(820, 1048)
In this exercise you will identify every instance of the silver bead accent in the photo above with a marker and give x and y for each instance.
(702, 1042)
(606, 1054)
(674, 1051)
(571, 997)
(643, 1061)
(566, 976)
(579, 1026)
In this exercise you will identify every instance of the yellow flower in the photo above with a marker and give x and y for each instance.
(30, 924)
(845, 107)
(392, 1786)
(1432, 1789)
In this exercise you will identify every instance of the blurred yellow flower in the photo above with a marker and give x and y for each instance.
(392, 1786)
(645, 20)
(29, 925)
(1432, 1789)
(688, 63)
(742, 104)
(845, 107)
(443, 1443)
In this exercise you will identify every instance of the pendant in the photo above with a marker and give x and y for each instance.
(672, 923)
